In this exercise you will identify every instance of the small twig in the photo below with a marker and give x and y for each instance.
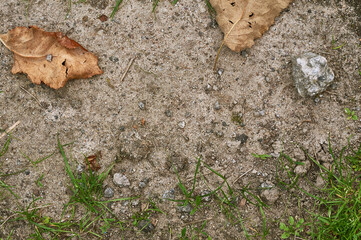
(127, 70)
(305, 121)
(253, 229)
(7, 131)
(32, 96)
(331, 93)
(197, 221)
(242, 175)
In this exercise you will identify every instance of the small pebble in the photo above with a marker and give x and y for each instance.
(181, 124)
(80, 168)
(168, 113)
(259, 113)
(135, 202)
(141, 105)
(266, 185)
(216, 106)
(145, 225)
(207, 198)
(208, 87)
(220, 71)
(114, 59)
(242, 138)
(49, 57)
(120, 180)
(219, 134)
(109, 192)
(169, 194)
(185, 209)
(143, 183)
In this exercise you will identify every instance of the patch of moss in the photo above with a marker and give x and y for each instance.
(237, 118)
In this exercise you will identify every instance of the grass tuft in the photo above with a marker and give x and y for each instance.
(225, 199)
(337, 203)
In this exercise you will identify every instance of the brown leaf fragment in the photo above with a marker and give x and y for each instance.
(258, 16)
(93, 161)
(49, 57)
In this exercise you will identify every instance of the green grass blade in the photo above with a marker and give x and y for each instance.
(116, 8)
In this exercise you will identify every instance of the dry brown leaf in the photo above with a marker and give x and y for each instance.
(92, 161)
(258, 16)
(49, 57)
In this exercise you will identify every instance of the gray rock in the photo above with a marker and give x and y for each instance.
(80, 168)
(206, 198)
(188, 115)
(114, 59)
(120, 180)
(216, 106)
(109, 192)
(143, 183)
(185, 209)
(169, 194)
(271, 195)
(141, 105)
(259, 113)
(145, 225)
(168, 113)
(135, 202)
(181, 124)
(266, 185)
(219, 134)
(311, 74)
(242, 138)
(49, 57)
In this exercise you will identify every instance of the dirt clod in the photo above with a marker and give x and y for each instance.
(271, 195)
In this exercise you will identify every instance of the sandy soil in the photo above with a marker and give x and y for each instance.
(172, 77)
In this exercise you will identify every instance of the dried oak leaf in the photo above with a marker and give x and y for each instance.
(92, 161)
(49, 57)
(252, 19)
